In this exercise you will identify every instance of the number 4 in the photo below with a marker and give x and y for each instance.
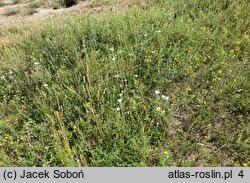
(241, 174)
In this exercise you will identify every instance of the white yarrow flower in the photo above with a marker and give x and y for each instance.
(45, 85)
(118, 109)
(165, 97)
(36, 63)
(117, 76)
(158, 108)
(111, 49)
(136, 75)
(119, 100)
(157, 92)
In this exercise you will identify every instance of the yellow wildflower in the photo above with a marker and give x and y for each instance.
(166, 153)
(245, 164)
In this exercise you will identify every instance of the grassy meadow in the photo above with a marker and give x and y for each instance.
(166, 83)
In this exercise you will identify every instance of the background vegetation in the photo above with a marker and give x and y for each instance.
(164, 84)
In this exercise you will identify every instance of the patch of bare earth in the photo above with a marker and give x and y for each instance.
(42, 13)
(47, 13)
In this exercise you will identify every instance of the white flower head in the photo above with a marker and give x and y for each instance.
(104, 91)
(46, 85)
(113, 59)
(111, 49)
(36, 63)
(157, 92)
(2, 77)
(165, 97)
(118, 109)
(158, 108)
(136, 75)
(120, 94)
(117, 76)
(119, 100)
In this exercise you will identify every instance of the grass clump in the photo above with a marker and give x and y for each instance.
(36, 4)
(57, 4)
(12, 11)
(2, 3)
(32, 8)
(16, 1)
(164, 87)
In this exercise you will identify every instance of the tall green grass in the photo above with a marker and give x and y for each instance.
(163, 86)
